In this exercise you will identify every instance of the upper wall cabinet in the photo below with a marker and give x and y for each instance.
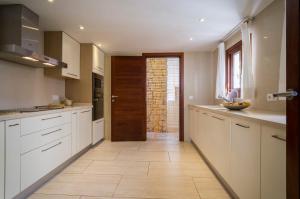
(63, 47)
(98, 61)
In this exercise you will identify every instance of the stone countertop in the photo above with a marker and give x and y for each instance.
(263, 117)
(17, 115)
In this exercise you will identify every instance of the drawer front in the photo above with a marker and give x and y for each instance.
(33, 124)
(41, 161)
(41, 138)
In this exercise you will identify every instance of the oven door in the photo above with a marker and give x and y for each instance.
(98, 101)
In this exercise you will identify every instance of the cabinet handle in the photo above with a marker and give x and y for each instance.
(99, 122)
(44, 150)
(243, 126)
(279, 138)
(85, 111)
(50, 118)
(12, 125)
(74, 75)
(217, 118)
(51, 132)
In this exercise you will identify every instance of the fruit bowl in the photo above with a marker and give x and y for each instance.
(236, 106)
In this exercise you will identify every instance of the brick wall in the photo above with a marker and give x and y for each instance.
(157, 95)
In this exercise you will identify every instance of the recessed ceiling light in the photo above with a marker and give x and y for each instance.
(202, 20)
(266, 37)
(50, 1)
(81, 27)
(99, 45)
(191, 39)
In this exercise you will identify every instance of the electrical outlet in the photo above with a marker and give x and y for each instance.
(271, 98)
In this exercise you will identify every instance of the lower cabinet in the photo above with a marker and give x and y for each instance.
(41, 161)
(273, 163)
(2, 159)
(245, 159)
(74, 132)
(84, 133)
(98, 130)
(12, 158)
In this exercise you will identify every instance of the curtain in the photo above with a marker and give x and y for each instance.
(282, 70)
(247, 70)
(220, 80)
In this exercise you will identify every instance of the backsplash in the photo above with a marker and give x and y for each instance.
(22, 86)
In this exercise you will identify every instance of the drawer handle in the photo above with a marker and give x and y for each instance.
(243, 126)
(12, 125)
(44, 150)
(279, 138)
(51, 132)
(217, 118)
(85, 111)
(50, 118)
(72, 74)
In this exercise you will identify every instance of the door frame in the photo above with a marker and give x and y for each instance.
(293, 106)
(179, 55)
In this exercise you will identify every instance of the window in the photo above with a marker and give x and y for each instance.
(234, 68)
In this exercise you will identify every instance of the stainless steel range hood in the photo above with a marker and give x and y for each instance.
(20, 38)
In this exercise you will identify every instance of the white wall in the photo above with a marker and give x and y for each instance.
(23, 86)
(198, 82)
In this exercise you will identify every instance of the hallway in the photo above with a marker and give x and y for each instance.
(161, 168)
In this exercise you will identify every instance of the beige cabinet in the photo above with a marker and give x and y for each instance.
(98, 130)
(2, 159)
(192, 123)
(245, 159)
(98, 61)
(273, 163)
(61, 46)
(12, 158)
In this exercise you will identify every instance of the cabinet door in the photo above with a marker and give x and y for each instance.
(273, 163)
(85, 129)
(71, 56)
(2, 155)
(101, 61)
(245, 159)
(191, 123)
(98, 130)
(220, 142)
(12, 156)
(95, 60)
(74, 132)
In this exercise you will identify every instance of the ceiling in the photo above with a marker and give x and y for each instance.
(135, 26)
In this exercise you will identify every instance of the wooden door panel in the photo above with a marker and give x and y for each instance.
(129, 108)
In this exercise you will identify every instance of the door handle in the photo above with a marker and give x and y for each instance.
(289, 94)
(114, 96)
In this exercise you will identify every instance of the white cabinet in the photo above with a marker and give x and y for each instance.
(98, 61)
(192, 117)
(2, 159)
(98, 130)
(12, 158)
(41, 161)
(61, 46)
(273, 163)
(74, 132)
(84, 129)
(71, 56)
(245, 159)
(219, 130)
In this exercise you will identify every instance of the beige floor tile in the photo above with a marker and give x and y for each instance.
(78, 166)
(118, 168)
(87, 197)
(45, 196)
(82, 184)
(143, 156)
(210, 188)
(157, 187)
(161, 147)
(99, 155)
(185, 157)
(118, 146)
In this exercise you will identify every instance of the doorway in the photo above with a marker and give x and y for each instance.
(164, 96)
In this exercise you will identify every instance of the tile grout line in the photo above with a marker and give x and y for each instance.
(113, 195)
(196, 188)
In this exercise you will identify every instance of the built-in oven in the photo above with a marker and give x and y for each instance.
(98, 95)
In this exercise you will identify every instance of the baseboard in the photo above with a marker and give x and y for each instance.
(226, 186)
(34, 187)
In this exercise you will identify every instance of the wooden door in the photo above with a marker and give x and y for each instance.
(293, 106)
(128, 89)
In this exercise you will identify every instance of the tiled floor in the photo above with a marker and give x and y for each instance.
(161, 168)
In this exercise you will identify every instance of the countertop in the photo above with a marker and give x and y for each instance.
(264, 117)
(17, 115)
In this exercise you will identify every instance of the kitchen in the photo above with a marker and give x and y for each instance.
(73, 100)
